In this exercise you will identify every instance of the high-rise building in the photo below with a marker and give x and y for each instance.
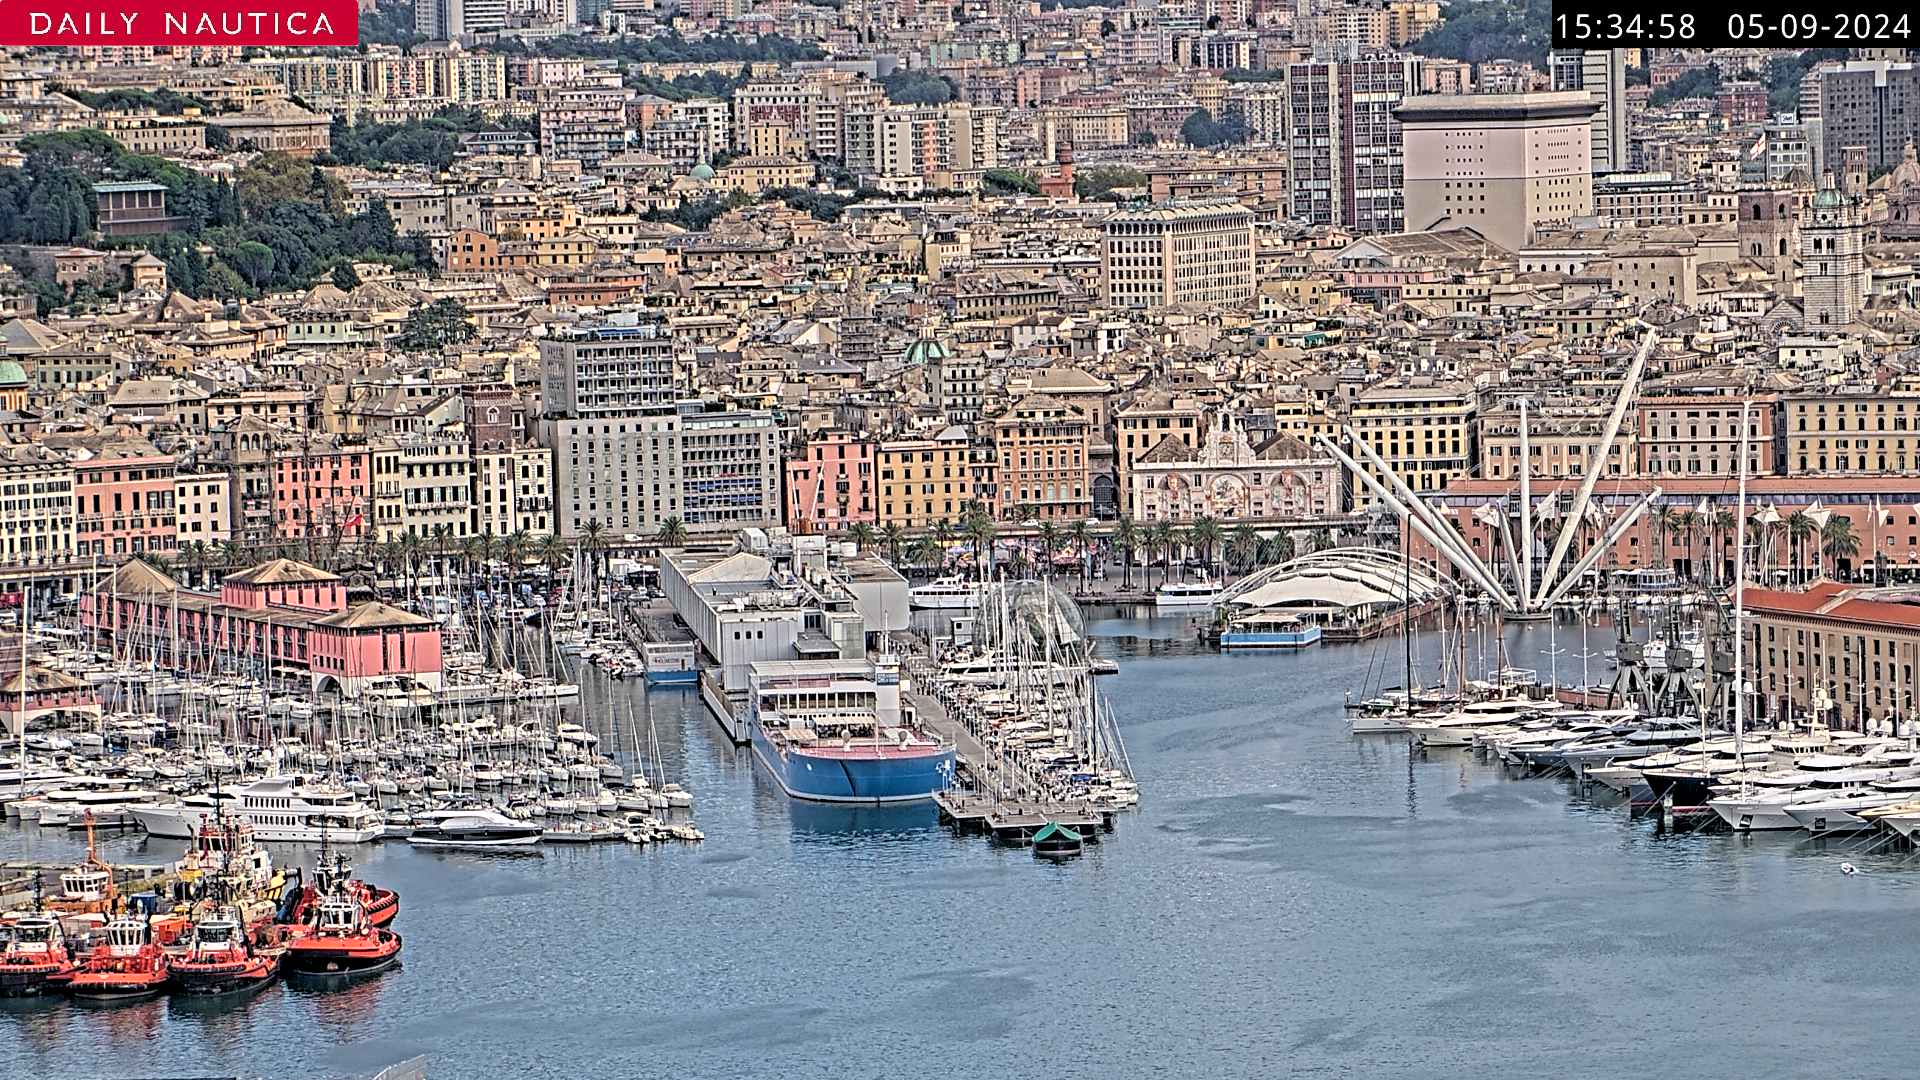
(1500, 164)
(451, 20)
(607, 369)
(629, 453)
(1866, 103)
(1178, 252)
(1603, 74)
(1344, 142)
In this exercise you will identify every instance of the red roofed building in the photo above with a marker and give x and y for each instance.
(286, 615)
(1855, 647)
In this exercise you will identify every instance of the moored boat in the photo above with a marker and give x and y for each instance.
(1056, 841)
(219, 960)
(342, 941)
(127, 966)
(35, 959)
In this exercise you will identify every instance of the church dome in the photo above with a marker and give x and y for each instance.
(703, 171)
(925, 350)
(12, 374)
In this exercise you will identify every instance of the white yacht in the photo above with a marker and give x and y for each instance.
(474, 829)
(1174, 595)
(948, 592)
(281, 809)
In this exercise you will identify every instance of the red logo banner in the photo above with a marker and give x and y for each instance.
(179, 22)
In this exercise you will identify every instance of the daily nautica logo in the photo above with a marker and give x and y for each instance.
(179, 22)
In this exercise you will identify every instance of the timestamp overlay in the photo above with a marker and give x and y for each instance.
(1682, 24)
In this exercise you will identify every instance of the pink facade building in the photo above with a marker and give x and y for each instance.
(284, 615)
(324, 490)
(123, 498)
(831, 487)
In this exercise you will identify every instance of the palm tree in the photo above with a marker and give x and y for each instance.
(1839, 541)
(1683, 523)
(1243, 549)
(1723, 529)
(671, 533)
(981, 530)
(1161, 538)
(1662, 525)
(1126, 538)
(414, 550)
(1081, 532)
(925, 551)
(195, 556)
(894, 536)
(231, 556)
(1320, 539)
(1276, 549)
(514, 551)
(593, 541)
(1051, 541)
(1205, 536)
(1800, 529)
(861, 534)
(555, 554)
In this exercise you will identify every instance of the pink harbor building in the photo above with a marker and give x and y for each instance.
(282, 613)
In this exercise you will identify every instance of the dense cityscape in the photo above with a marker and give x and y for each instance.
(859, 421)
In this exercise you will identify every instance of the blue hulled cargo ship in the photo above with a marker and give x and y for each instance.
(831, 731)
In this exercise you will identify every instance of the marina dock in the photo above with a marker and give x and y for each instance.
(985, 800)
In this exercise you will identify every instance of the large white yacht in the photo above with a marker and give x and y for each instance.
(948, 592)
(1186, 594)
(281, 809)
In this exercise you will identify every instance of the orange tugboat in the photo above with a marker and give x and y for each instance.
(87, 889)
(128, 966)
(220, 960)
(35, 959)
(342, 941)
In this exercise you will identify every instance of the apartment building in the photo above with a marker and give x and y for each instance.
(1425, 431)
(1503, 165)
(830, 484)
(37, 505)
(1700, 436)
(1040, 446)
(1344, 142)
(923, 482)
(1850, 432)
(1182, 251)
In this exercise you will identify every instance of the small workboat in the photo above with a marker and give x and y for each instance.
(1056, 841)
(35, 959)
(219, 959)
(343, 941)
(127, 966)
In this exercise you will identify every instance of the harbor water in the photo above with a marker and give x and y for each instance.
(1288, 900)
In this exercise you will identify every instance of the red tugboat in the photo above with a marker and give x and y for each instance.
(336, 875)
(128, 966)
(342, 941)
(219, 959)
(35, 960)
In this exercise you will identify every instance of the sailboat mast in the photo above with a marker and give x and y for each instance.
(1740, 594)
(26, 620)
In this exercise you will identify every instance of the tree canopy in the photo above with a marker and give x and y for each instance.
(1096, 181)
(1481, 30)
(1201, 129)
(1009, 182)
(917, 88)
(281, 223)
(435, 326)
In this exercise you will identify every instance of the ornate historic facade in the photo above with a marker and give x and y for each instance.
(1229, 479)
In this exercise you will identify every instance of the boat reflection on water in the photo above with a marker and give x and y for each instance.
(864, 821)
(344, 1006)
